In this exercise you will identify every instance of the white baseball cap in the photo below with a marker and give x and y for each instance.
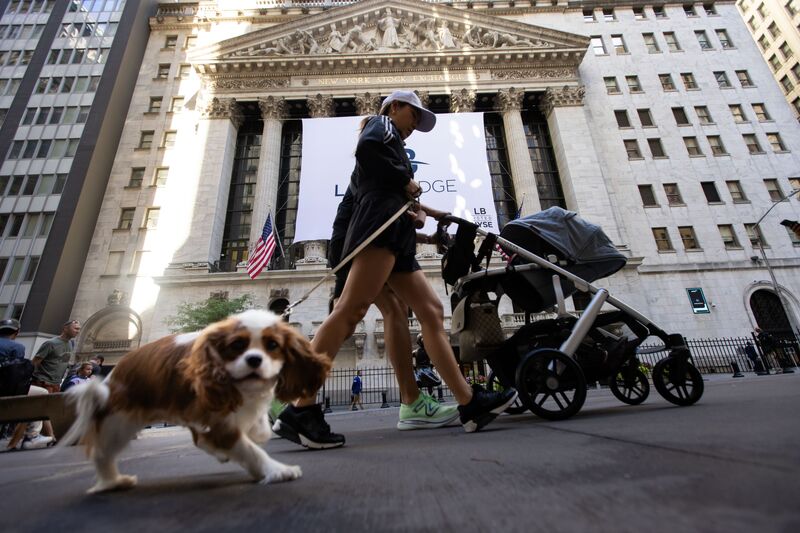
(427, 119)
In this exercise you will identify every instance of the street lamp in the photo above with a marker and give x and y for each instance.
(775, 286)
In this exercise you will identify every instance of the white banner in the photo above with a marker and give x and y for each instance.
(449, 163)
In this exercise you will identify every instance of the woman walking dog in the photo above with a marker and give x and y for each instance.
(382, 182)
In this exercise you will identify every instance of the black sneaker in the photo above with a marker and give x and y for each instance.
(427, 378)
(484, 407)
(307, 427)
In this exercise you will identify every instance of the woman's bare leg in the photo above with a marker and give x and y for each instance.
(398, 343)
(368, 275)
(412, 287)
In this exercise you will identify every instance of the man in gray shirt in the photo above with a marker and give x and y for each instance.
(53, 358)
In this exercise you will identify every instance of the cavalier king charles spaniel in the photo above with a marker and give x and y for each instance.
(218, 382)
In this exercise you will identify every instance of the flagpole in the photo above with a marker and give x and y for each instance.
(280, 244)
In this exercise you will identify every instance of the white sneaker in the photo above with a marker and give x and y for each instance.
(40, 441)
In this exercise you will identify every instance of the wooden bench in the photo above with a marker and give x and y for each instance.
(52, 407)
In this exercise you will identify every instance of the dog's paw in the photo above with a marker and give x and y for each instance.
(282, 473)
(119, 483)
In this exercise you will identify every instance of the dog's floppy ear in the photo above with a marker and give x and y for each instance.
(304, 371)
(210, 382)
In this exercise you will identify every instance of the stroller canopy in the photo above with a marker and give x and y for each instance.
(575, 239)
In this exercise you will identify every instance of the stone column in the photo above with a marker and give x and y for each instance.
(585, 187)
(217, 129)
(273, 111)
(368, 104)
(319, 106)
(462, 101)
(519, 157)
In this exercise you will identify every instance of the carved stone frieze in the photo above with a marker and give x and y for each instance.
(462, 101)
(278, 293)
(368, 104)
(534, 74)
(424, 97)
(564, 97)
(247, 83)
(117, 297)
(320, 106)
(222, 108)
(510, 99)
(272, 107)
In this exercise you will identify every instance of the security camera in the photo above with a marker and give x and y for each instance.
(755, 258)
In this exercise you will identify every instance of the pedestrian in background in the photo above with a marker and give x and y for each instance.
(355, 391)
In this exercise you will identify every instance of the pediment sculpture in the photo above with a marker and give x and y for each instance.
(389, 33)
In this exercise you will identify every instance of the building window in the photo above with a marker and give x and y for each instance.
(763, 43)
(611, 85)
(775, 63)
(659, 12)
(648, 196)
(761, 113)
(184, 71)
(791, 7)
(736, 192)
(729, 239)
(645, 118)
(710, 191)
(787, 84)
(793, 237)
(691, 146)
(588, 15)
(688, 238)
(703, 115)
(151, 218)
(774, 140)
(650, 43)
(681, 119)
(155, 104)
(722, 79)
(688, 9)
(744, 78)
(191, 40)
(672, 41)
(666, 82)
(702, 40)
(177, 104)
(762, 11)
(793, 182)
(632, 148)
(145, 140)
(598, 47)
(30, 270)
(633, 84)
(171, 42)
(126, 218)
(639, 14)
(796, 105)
(738, 113)
(622, 118)
(715, 142)
(163, 71)
(160, 176)
(608, 15)
(673, 194)
(619, 44)
(724, 40)
(688, 81)
(663, 243)
(786, 51)
(774, 190)
(773, 30)
(113, 263)
(752, 143)
(656, 149)
(753, 23)
(137, 175)
(796, 71)
(755, 236)
(169, 139)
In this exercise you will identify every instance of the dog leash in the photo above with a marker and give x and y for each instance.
(343, 262)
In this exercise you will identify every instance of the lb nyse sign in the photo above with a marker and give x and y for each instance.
(449, 163)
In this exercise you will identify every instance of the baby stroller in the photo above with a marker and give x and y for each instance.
(553, 254)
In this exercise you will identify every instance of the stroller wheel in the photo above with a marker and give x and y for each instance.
(493, 384)
(551, 384)
(678, 381)
(629, 387)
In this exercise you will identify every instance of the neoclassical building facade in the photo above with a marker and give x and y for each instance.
(606, 109)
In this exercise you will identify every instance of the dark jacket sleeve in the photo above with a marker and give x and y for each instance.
(378, 158)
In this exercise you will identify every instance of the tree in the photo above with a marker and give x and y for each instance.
(195, 316)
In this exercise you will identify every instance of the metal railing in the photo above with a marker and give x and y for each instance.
(378, 386)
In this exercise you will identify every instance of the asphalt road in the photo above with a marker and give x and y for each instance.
(730, 463)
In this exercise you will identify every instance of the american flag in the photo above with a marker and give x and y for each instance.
(264, 250)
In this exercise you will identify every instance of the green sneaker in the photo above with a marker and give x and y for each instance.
(275, 409)
(426, 413)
